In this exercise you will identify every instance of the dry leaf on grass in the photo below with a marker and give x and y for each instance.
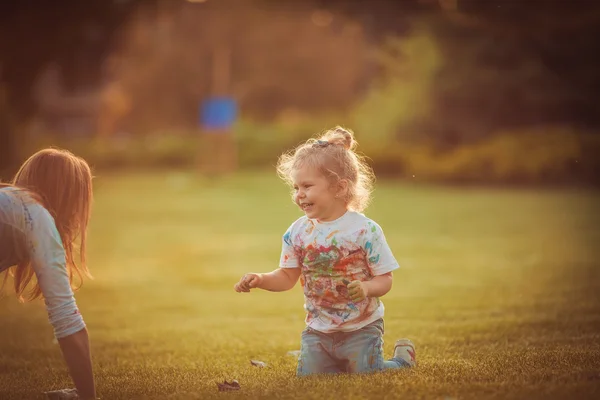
(258, 364)
(228, 386)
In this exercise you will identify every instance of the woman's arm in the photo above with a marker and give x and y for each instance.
(76, 351)
(49, 263)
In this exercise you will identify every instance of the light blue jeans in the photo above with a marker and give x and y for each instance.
(359, 351)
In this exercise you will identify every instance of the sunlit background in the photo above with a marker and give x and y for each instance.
(481, 119)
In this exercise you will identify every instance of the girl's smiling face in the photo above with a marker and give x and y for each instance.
(316, 196)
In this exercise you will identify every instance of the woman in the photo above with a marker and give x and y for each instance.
(43, 213)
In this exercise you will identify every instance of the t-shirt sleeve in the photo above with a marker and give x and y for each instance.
(379, 255)
(49, 264)
(289, 256)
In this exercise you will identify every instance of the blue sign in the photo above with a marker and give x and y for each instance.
(218, 113)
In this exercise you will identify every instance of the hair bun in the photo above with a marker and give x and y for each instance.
(341, 137)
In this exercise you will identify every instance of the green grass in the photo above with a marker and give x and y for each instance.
(499, 290)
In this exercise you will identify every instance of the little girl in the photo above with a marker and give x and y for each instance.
(341, 257)
(44, 214)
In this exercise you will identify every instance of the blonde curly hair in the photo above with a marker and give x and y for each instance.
(333, 155)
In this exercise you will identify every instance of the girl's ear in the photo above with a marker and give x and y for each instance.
(342, 188)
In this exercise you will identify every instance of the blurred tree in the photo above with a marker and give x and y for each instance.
(404, 94)
(490, 74)
(498, 42)
(7, 137)
(556, 38)
(297, 58)
(74, 34)
(489, 82)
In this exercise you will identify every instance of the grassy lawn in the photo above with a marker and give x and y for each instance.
(499, 290)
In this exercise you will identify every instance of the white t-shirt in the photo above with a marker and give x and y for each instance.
(331, 255)
(27, 226)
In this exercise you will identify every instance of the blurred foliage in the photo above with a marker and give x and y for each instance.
(404, 93)
(551, 155)
(429, 117)
(271, 59)
(7, 137)
(545, 155)
(455, 97)
(450, 84)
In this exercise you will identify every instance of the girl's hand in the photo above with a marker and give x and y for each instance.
(248, 281)
(357, 291)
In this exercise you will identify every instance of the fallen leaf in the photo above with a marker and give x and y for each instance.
(258, 364)
(228, 386)
(62, 394)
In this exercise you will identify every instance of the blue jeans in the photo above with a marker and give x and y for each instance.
(359, 351)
